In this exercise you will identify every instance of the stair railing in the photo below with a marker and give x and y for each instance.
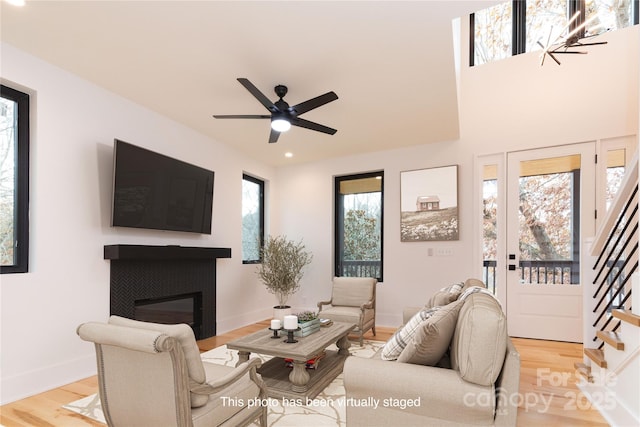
(615, 248)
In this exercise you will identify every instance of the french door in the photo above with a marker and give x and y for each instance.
(550, 201)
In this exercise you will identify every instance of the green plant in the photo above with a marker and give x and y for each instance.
(306, 316)
(282, 266)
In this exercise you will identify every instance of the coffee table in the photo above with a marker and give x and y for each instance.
(297, 383)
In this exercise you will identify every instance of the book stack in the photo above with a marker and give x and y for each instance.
(311, 363)
(326, 322)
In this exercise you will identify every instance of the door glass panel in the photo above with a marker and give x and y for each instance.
(549, 224)
(490, 225)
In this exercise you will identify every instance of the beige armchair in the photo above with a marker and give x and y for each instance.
(152, 375)
(353, 300)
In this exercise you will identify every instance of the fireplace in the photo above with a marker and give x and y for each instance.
(169, 310)
(165, 284)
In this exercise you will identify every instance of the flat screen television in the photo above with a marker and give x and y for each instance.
(154, 191)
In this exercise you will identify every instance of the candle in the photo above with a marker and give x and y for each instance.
(275, 324)
(291, 322)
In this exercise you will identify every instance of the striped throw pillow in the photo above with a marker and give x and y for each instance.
(404, 335)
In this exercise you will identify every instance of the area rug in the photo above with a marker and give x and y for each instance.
(327, 409)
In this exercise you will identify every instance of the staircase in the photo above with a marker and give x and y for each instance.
(610, 372)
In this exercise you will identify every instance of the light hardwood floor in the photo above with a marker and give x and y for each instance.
(545, 398)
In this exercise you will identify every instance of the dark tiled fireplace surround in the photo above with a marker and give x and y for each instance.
(141, 273)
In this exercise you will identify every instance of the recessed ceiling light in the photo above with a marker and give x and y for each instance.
(16, 2)
(288, 154)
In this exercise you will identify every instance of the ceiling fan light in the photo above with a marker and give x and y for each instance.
(280, 125)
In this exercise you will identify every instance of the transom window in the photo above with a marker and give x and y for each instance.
(520, 26)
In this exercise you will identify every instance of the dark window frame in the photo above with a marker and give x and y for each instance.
(261, 210)
(338, 219)
(519, 24)
(21, 212)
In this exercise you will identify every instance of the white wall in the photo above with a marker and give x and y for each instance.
(73, 127)
(508, 105)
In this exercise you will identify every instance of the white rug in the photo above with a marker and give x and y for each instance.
(328, 408)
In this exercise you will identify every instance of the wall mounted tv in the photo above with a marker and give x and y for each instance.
(154, 191)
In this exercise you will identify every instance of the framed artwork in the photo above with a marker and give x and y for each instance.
(429, 204)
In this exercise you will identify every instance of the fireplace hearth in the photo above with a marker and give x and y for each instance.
(171, 284)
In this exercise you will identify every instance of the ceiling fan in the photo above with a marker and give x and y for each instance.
(282, 115)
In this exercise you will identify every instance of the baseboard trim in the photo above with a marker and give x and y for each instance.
(27, 384)
(612, 409)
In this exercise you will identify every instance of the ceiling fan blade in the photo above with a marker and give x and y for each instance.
(312, 125)
(273, 136)
(258, 95)
(316, 102)
(241, 116)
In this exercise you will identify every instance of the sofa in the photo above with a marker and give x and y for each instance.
(457, 367)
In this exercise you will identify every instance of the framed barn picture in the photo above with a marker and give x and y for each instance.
(429, 204)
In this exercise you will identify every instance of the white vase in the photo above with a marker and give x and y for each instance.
(280, 311)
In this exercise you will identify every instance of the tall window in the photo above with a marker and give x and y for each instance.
(359, 225)
(615, 174)
(252, 218)
(520, 26)
(14, 181)
(490, 225)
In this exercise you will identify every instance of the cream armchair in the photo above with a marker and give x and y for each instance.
(152, 375)
(353, 300)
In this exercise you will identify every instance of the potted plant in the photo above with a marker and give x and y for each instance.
(308, 322)
(281, 269)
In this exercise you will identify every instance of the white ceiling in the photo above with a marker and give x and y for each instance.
(391, 64)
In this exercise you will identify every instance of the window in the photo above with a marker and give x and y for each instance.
(491, 32)
(252, 218)
(613, 14)
(544, 20)
(490, 225)
(359, 225)
(520, 26)
(615, 174)
(14, 181)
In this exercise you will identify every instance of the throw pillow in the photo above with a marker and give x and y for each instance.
(445, 295)
(433, 336)
(402, 336)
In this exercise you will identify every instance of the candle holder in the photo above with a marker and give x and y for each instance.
(290, 332)
(275, 333)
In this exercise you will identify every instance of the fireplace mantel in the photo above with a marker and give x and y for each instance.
(142, 252)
